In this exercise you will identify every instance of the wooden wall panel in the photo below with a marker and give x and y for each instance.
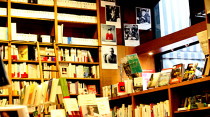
(111, 76)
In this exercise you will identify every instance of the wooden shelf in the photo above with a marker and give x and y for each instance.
(193, 110)
(4, 41)
(76, 24)
(4, 95)
(121, 97)
(5, 60)
(205, 79)
(27, 61)
(78, 94)
(76, 46)
(32, 4)
(38, 79)
(33, 18)
(152, 90)
(186, 83)
(30, 43)
(53, 62)
(80, 63)
(15, 95)
(67, 7)
(83, 78)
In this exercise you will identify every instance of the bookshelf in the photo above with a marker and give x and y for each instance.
(49, 26)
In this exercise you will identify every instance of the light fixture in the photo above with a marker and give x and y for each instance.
(150, 53)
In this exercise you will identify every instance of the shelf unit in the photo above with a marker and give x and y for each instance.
(168, 92)
(52, 29)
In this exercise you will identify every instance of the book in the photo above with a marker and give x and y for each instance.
(53, 90)
(70, 105)
(58, 113)
(4, 33)
(92, 89)
(165, 77)
(64, 70)
(177, 73)
(138, 84)
(190, 72)
(5, 82)
(103, 106)
(134, 63)
(153, 82)
(64, 87)
(121, 88)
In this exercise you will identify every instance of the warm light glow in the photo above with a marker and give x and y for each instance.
(150, 53)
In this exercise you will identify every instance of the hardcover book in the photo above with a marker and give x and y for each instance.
(165, 77)
(177, 73)
(23, 52)
(190, 72)
(91, 89)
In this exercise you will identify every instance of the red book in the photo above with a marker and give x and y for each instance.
(91, 89)
(121, 87)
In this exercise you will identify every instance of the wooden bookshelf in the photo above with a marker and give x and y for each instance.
(5, 60)
(192, 110)
(76, 46)
(22, 79)
(4, 95)
(23, 3)
(81, 63)
(33, 18)
(27, 61)
(85, 9)
(94, 79)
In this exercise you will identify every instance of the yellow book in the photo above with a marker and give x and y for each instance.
(23, 52)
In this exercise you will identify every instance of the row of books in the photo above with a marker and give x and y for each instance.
(194, 102)
(122, 112)
(160, 109)
(23, 70)
(35, 94)
(81, 88)
(3, 11)
(78, 41)
(80, 71)
(16, 101)
(75, 55)
(3, 102)
(118, 89)
(18, 85)
(4, 92)
(49, 74)
(76, 4)
(50, 15)
(67, 3)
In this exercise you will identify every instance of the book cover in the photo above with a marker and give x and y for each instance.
(153, 82)
(138, 84)
(48, 90)
(86, 72)
(121, 88)
(64, 87)
(103, 106)
(23, 52)
(89, 111)
(134, 63)
(64, 70)
(91, 89)
(190, 72)
(177, 73)
(165, 77)
(54, 90)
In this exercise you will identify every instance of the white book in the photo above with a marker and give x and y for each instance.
(27, 91)
(3, 33)
(70, 104)
(38, 95)
(72, 88)
(53, 90)
(60, 33)
(14, 31)
(58, 113)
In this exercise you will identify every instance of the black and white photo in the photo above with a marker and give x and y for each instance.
(143, 18)
(113, 15)
(109, 57)
(107, 2)
(131, 35)
(108, 34)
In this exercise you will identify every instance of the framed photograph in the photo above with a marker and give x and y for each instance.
(108, 34)
(107, 2)
(143, 18)
(90, 111)
(109, 57)
(131, 35)
(113, 16)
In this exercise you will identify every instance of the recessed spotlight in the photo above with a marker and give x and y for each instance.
(150, 53)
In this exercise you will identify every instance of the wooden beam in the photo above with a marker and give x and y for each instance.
(176, 39)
